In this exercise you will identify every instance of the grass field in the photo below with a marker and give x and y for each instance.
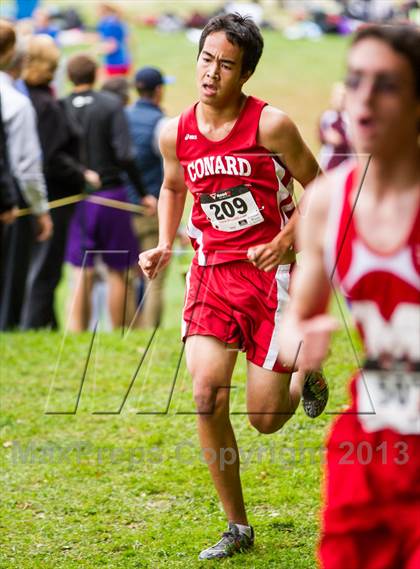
(97, 488)
(128, 490)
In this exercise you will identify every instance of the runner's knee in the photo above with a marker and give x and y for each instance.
(210, 400)
(267, 424)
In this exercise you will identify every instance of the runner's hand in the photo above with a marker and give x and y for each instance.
(270, 255)
(44, 228)
(93, 179)
(154, 260)
(306, 344)
(150, 203)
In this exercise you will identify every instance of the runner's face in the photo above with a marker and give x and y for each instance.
(380, 98)
(219, 76)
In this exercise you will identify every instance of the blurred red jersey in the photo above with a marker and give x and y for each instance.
(242, 192)
(372, 489)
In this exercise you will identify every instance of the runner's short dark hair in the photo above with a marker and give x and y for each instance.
(404, 39)
(81, 69)
(241, 31)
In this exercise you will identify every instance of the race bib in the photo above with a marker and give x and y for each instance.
(389, 400)
(231, 210)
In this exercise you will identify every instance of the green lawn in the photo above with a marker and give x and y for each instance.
(88, 489)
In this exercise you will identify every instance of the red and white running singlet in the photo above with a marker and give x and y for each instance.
(384, 295)
(242, 192)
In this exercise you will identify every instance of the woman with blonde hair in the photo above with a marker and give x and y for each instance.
(64, 173)
(42, 58)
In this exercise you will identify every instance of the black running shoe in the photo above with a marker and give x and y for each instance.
(315, 394)
(233, 541)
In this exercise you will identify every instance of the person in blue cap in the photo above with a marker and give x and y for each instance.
(145, 119)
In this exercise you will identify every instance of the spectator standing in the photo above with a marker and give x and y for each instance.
(333, 132)
(8, 198)
(64, 175)
(7, 192)
(24, 154)
(114, 35)
(43, 24)
(145, 119)
(120, 86)
(106, 149)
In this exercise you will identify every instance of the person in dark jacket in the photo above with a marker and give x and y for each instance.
(145, 119)
(8, 200)
(64, 176)
(106, 149)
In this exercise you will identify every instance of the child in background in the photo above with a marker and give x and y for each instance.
(113, 34)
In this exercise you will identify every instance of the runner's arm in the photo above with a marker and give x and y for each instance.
(306, 328)
(174, 191)
(279, 134)
(170, 206)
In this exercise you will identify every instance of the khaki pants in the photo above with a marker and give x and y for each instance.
(147, 230)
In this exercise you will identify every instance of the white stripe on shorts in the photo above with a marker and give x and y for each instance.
(282, 279)
(184, 324)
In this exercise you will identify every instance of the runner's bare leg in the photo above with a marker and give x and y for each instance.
(211, 365)
(272, 398)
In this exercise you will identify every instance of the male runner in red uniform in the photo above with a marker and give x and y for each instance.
(368, 241)
(237, 156)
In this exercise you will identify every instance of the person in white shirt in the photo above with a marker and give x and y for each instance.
(25, 162)
(24, 151)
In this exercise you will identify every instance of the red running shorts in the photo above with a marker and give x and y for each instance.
(237, 303)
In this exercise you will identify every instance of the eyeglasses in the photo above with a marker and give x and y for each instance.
(380, 84)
